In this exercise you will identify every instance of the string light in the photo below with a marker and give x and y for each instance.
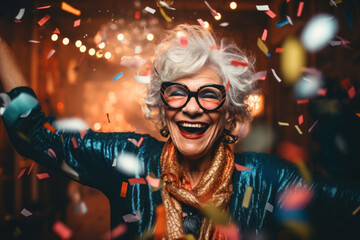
(97, 126)
(150, 37)
(206, 24)
(217, 16)
(99, 54)
(83, 48)
(101, 45)
(54, 37)
(92, 52)
(120, 37)
(233, 5)
(65, 41)
(107, 55)
(78, 43)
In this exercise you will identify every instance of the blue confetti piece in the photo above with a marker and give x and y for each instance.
(348, 19)
(18, 106)
(117, 76)
(268, 55)
(282, 23)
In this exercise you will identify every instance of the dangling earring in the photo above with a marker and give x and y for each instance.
(228, 137)
(164, 131)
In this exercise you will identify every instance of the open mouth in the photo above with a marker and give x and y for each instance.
(192, 130)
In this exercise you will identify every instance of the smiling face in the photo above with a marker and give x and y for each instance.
(192, 129)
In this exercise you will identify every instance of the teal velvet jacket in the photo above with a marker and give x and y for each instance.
(331, 206)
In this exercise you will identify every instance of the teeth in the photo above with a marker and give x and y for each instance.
(192, 125)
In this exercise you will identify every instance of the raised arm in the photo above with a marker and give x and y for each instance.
(10, 73)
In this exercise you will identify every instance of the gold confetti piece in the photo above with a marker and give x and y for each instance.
(189, 237)
(304, 171)
(167, 18)
(262, 46)
(356, 210)
(23, 136)
(298, 129)
(283, 124)
(66, 7)
(217, 215)
(247, 197)
(331, 3)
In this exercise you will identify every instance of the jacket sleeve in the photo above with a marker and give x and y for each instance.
(87, 158)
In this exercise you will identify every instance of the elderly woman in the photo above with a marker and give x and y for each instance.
(197, 94)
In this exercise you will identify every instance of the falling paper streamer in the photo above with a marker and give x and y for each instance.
(292, 60)
(18, 106)
(351, 92)
(128, 163)
(123, 191)
(23, 136)
(247, 197)
(63, 231)
(20, 14)
(264, 35)
(25, 212)
(262, 46)
(117, 76)
(77, 23)
(143, 79)
(271, 14)
(269, 207)
(43, 20)
(132, 218)
(21, 173)
(66, 7)
(166, 17)
(275, 75)
(150, 10)
(262, 7)
(213, 12)
(240, 168)
(52, 51)
(260, 75)
(31, 167)
(356, 210)
(300, 8)
(334, 2)
(133, 141)
(153, 182)
(164, 4)
(71, 125)
(133, 181)
(56, 31)
(49, 127)
(116, 232)
(283, 124)
(298, 129)
(42, 176)
(140, 141)
(69, 170)
(231, 231)
(289, 20)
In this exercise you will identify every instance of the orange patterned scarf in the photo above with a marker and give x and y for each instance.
(214, 188)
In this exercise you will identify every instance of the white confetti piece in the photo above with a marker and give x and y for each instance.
(52, 51)
(164, 4)
(142, 79)
(137, 49)
(132, 218)
(70, 125)
(224, 24)
(260, 75)
(150, 10)
(269, 207)
(262, 7)
(289, 20)
(20, 14)
(34, 41)
(128, 163)
(275, 75)
(25, 212)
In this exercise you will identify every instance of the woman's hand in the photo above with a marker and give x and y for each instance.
(10, 73)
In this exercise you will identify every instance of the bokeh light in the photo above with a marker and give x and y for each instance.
(97, 126)
(120, 37)
(233, 5)
(66, 41)
(217, 16)
(107, 55)
(78, 43)
(83, 48)
(54, 37)
(92, 51)
(101, 45)
(150, 37)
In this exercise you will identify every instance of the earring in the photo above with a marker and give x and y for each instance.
(164, 131)
(229, 138)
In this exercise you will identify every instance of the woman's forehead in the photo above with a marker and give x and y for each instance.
(200, 78)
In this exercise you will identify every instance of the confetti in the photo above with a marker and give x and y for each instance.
(213, 12)
(20, 14)
(83, 208)
(132, 218)
(31, 167)
(275, 75)
(164, 4)
(201, 22)
(117, 76)
(289, 20)
(351, 92)
(183, 41)
(116, 232)
(21, 173)
(18, 106)
(264, 35)
(335, 43)
(160, 226)
(25, 212)
(231, 232)
(51, 153)
(292, 60)
(322, 92)
(260, 75)
(224, 24)
(69, 170)
(166, 17)
(52, 51)
(77, 23)
(296, 198)
(132, 62)
(44, 7)
(282, 23)
(279, 50)
(67, 8)
(43, 20)
(150, 10)
(133, 141)
(34, 41)
(239, 63)
(152, 181)
(271, 14)
(310, 129)
(70, 125)
(216, 215)
(240, 168)
(283, 124)
(356, 210)
(247, 197)
(143, 79)
(74, 142)
(63, 231)
(300, 9)
(333, 3)
(262, 7)
(358, 114)
(137, 15)
(23, 136)
(262, 46)
(140, 141)
(298, 129)
(301, 119)
(133, 181)
(42, 176)
(128, 163)
(269, 207)
(227, 86)
(303, 101)
(56, 31)
(346, 83)
(124, 186)
(137, 49)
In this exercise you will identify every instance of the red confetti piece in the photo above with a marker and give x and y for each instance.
(358, 114)
(301, 119)
(264, 35)
(63, 231)
(231, 231)
(139, 142)
(82, 133)
(21, 173)
(240, 167)
(346, 83)
(214, 47)
(160, 226)
(271, 14)
(49, 127)
(137, 15)
(322, 92)
(296, 198)
(227, 86)
(291, 152)
(31, 167)
(56, 31)
(301, 6)
(44, 7)
(77, 23)
(279, 50)
(73, 140)
(302, 101)
(183, 41)
(43, 20)
(116, 232)
(351, 92)
(51, 153)
(133, 181)
(239, 63)
(123, 189)
(42, 176)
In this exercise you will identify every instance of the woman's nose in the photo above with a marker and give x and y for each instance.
(192, 108)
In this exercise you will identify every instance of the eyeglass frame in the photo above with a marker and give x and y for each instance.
(194, 94)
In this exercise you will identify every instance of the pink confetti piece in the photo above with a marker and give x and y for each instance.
(43, 20)
(137, 15)
(63, 231)
(213, 47)
(275, 75)
(51, 153)
(300, 8)
(116, 232)
(296, 198)
(140, 141)
(132, 218)
(227, 86)
(82, 133)
(271, 14)
(153, 182)
(21, 173)
(279, 50)
(52, 51)
(133, 181)
(230, 231)
(314, 124)
(77, 23)
(42, 176)
(26, 212)
(351, 92)
(56, 31)
(44, 7)
(264, 35)
(322, 92)
(301, 119)
(260, 75)
(31, 167)
(302, 101)
(201, 22)
(239, 63)
(133, 141)
(240, 167)
(74, 142)
(183, 41)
